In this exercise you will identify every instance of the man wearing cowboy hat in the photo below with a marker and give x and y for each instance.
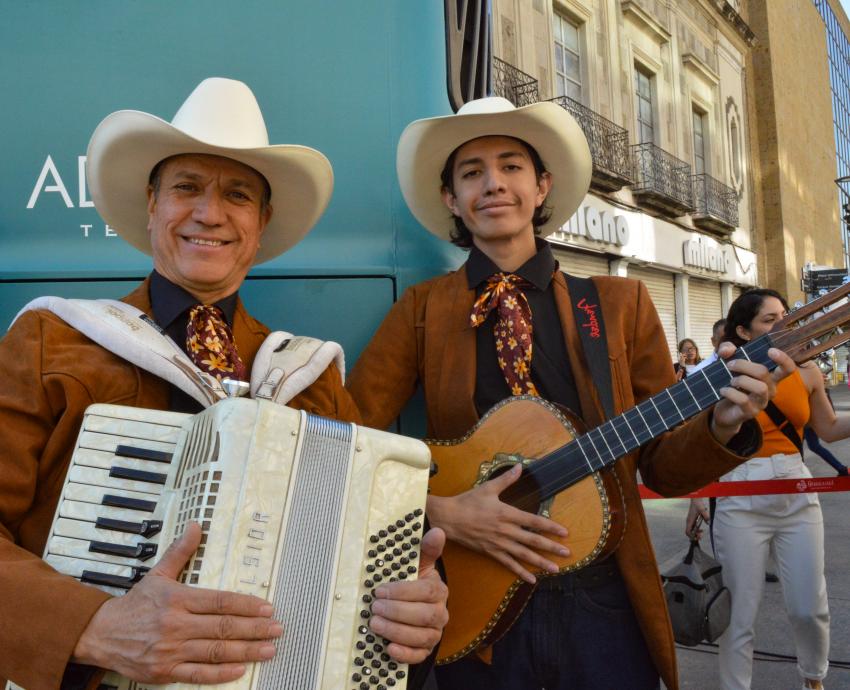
(495, 179)
(211, 180)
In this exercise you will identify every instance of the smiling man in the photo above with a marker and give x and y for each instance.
(494, 179)
(197, 194)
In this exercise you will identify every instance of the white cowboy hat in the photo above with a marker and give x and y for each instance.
(220, 117)
(425, 145)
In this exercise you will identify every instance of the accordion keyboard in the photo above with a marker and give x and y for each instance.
(305, 512)
(108, 524)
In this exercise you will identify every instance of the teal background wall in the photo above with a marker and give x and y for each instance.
(344, 78)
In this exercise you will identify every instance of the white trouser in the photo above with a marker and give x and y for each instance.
(746, 528)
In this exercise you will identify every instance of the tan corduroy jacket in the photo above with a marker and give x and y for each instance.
(427, 339)
(50, 374)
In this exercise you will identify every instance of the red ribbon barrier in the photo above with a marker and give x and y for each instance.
(800, 485)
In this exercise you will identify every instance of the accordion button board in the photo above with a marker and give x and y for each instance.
(308, 513)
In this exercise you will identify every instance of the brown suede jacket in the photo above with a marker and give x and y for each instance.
(427, 339)
(51, 373)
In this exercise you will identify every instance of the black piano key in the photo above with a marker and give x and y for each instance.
(137, 475)
(143, 454)
(129, 503)
(92, 577)
(146, 528)
(141, 551)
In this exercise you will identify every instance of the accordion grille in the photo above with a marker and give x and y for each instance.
(308, 562)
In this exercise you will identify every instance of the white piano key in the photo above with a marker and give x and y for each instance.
(86, 457)
(75, 567)
(115, 592)
(109, 442)
(79, 548)
(142, 431)
(88, 493)
(139, 414)
(79, 529)
(98, 477)
(90, 512)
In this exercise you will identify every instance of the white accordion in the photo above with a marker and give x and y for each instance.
(305, 512)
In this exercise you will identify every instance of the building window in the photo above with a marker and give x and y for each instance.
(699, 142)
(567, 58)
(645, 117)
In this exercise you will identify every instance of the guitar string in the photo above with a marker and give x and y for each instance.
(552, 463)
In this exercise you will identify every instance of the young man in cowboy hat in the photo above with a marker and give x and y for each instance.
(211, 179)
(495, 179)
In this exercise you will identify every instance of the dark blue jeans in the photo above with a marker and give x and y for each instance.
(570, 637)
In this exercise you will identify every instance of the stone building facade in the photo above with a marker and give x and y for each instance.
(711, 151)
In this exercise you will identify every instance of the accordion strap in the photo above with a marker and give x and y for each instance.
(131, 334)
(286, 364)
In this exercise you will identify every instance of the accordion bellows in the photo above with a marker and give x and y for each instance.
(308, 513)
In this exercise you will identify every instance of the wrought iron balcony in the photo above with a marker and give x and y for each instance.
(514, 84)
(716, 204)
(662, 181)
(613, 167)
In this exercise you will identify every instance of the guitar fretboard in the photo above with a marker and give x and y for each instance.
(603, 445)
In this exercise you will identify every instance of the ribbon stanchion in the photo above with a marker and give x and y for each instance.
(800, 485)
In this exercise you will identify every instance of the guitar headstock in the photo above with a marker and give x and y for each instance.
(809, 331)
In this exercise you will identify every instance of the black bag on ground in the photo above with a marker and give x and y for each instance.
(698, 602)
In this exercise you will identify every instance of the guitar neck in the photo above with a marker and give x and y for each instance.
(603, 445)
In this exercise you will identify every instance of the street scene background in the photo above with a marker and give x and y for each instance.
(775, 667)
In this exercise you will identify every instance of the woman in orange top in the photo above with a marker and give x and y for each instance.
(747, 528)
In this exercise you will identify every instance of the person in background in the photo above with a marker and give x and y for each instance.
(746, 529)
(717, 331)
(688, 359)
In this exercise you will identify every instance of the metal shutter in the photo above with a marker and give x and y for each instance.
(581, 264)
(703, 310)
(663, 292)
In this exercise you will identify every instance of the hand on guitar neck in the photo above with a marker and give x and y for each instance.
(750, 389)
(478, 520)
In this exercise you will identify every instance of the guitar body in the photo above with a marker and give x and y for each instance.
(485, 598)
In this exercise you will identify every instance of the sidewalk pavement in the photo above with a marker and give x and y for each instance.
(698, 665)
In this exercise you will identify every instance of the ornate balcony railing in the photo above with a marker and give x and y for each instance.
(613, 166)
(716, 204)
(514, 84)
(662, 181)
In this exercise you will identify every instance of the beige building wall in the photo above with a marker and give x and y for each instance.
(695, 263)
(695, 56)
(793, 149)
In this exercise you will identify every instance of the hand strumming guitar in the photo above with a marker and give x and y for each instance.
(478, 520)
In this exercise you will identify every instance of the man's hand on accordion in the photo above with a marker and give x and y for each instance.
(412, 615)
(165, 632)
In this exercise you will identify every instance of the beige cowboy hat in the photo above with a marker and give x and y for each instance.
(221, 117)
(425, 145)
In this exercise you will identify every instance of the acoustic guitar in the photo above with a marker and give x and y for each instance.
(568, 475)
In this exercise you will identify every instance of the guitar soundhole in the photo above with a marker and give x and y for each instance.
(525, 492)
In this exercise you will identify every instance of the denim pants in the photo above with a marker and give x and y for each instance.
(571, 636)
